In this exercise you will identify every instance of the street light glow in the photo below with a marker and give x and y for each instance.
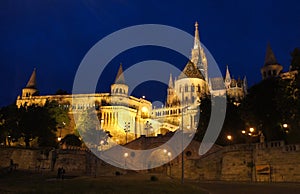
(251, 129)
(229, 137)
(285, 125)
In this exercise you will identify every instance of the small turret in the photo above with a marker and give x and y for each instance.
(31, 87)
(119, 87)
(271, 68)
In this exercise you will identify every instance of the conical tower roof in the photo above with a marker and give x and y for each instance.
(32, 81)
(120, 76)
(270, 57)
(171, 85)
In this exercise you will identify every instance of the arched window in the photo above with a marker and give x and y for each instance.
(180, 88)
(186, 88)
(193, 88)
(117, 90)
(193, 99)
(198, 88)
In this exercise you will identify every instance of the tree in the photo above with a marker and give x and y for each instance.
(260, 108)
(58, 113)
(71, 140)
(61, 92)
(233, 125)
(92, 135)
(295, 61)
(9, 120)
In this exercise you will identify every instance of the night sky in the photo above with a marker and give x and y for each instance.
(54, 36)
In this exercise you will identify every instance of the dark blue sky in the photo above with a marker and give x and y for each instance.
(54, 36)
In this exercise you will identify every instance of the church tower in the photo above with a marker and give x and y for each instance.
(227, 78)
(271, 68)
(198, 55)
(119, 87)
(31, 87)
(171, 92)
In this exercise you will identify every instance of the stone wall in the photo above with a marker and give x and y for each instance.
(264, 162)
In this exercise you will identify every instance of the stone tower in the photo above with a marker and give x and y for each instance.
(198, 54)
(119, 87)
(171, 96)
(31, 87)
(271, 68)
(227, 78)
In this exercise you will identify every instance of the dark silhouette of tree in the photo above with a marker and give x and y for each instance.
(9, 120)
(260, 109)
(295, 61)
(61, 92)
(89, 128)
(71, 140)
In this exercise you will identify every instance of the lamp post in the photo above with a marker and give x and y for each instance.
(125, 156)
(169, 156)
(182, 153)
(251, 133)
(127, 129)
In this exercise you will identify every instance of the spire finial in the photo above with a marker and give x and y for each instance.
(197, 39)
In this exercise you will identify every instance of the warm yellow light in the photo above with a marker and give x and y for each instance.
(285, 125)
(165, 151)
(229, 137)
(243, 132)
(251, 129)
(169, 153)
(126, 155)
(144, 109)
(249, 134)
(59, 138)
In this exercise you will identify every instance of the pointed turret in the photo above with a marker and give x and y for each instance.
(270, 57)
(171, 93)
(271, 68)
(31, 87)
(120, 76)
(119, 87)
(32, 80)
(245, 85)
(227, 77)
(171, 85)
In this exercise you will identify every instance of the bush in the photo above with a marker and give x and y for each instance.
(153, 178)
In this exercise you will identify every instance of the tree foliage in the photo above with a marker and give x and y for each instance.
(30, 122)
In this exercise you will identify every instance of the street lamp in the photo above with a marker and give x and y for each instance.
(125, 156)
(229, 137)
(252, 133)
(127, 129)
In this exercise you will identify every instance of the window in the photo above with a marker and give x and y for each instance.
(198, 88)
(193, 88)
(186, 88)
